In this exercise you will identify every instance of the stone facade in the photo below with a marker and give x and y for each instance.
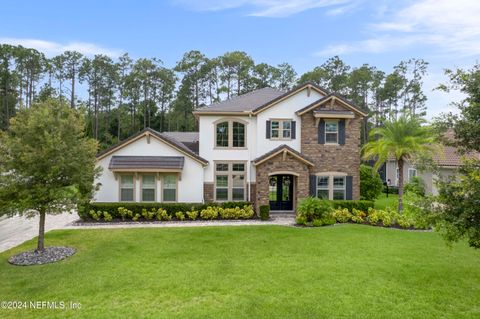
(208, 195)
(281, 163)
(334, 158)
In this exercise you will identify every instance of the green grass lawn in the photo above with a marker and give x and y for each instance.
(383, 201)
(346, 271)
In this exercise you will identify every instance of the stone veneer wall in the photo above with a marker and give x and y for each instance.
(208, 192)
(334, 158)
(277, 163)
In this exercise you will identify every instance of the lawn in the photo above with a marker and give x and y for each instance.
(342, 271)
(383, 201)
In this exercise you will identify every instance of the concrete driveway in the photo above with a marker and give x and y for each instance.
(16, 230)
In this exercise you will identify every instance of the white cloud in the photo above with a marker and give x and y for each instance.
(450, 27)
(265, 8)
(50, 48)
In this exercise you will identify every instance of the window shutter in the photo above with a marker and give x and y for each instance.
(294, 130)
(349, 188)
(268, 130)
(321, 132)
(313, 185)
(341, 132)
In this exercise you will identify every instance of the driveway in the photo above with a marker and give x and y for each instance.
(16, 230)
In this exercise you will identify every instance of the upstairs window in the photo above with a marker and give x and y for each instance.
(281, 129)
(331, 132)
(230, 134)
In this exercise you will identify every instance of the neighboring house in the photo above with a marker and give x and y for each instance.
(268, 146)
(448, 160)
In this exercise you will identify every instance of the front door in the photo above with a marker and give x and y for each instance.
(281, 192)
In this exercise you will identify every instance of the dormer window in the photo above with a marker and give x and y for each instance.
(230, 134)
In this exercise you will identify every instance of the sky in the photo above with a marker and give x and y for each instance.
(304, 33)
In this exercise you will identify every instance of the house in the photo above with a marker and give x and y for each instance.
(267, 146)
(447, 160)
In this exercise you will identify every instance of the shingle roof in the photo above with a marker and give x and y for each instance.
(279, 149)
(146, 162)
(189, 139)
(245, 102)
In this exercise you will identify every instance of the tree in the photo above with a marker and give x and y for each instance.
(370, 183)
(402, 139)
(72, 61)
(47, 162)
(459, 198)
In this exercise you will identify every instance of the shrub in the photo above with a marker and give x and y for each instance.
(94, 214)
(370, 183)
(387, 217)
(180, 215)
(162, 214)
(420, 210)
(358, 216)
(362, 205)
(391, 189)
(192, 214)
(415, 186)
(209, 213)
(264, 212)
(136, 217)
(328, 219)
(148, 215)
(107, 217)
(313, 208)
(301, 220)
(404, 221)
(123, 212)
(317, 223)
(342, 215)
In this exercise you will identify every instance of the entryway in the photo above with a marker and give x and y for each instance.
(281, 192)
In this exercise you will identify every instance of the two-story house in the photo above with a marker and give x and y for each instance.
(267, 146)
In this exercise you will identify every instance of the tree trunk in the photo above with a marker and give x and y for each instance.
(41, 231)
(400, 185)
(72, 99)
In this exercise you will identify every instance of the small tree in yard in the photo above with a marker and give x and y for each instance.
(403, 139)
(47, 165)
(370, 183)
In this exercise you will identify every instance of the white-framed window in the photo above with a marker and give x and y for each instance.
(170, 188)
(332, 186)
(322, 187)
(230, 181)
(281, 129)
(339, 188)
(230, 134)
(412, 172)
(149, 188)
(127, 188)
(331, 132)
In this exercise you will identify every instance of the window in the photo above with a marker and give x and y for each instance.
(322, 187)
(148, 188)
(126, 188)
(230, 181)
(281, 129)
(412, 172)
(331, 132)
(230, 134)
(170, 188)
(339, 188)
(331, 187)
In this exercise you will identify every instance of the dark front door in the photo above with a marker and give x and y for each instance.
(281, 192)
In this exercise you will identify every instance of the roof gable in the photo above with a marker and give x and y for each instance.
(333, 98)
(283, 149)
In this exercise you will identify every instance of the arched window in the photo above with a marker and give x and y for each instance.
(230, 134)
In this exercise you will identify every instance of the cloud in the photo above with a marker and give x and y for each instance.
(451, 27)
(50, 48)
(266, 8)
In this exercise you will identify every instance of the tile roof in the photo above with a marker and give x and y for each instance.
(450, 157)
(146, 162)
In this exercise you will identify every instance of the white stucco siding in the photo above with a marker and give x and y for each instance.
(283, 110)
(190, 185)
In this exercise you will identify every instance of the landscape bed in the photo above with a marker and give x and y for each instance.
(342, 271)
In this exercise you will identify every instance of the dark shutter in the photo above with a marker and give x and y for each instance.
(313, 185)
(341, 132)
(268, 130)
(321, 132)
(349, 188)
(294, 130)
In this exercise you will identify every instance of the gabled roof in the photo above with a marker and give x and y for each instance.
(189, 139)
(256, 101)
(329, 97)
(160, 136)
(146, 162)
(279, 150)
(242, 103)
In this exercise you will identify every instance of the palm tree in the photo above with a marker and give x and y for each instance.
(403, 139)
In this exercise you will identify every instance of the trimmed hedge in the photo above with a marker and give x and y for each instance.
(362, 205)
(264, 212)
(137, 208)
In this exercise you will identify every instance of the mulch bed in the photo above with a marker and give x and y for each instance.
(49, 255)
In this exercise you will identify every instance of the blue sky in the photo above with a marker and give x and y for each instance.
(302, 32)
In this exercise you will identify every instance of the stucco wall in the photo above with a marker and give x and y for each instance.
(190, 186)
